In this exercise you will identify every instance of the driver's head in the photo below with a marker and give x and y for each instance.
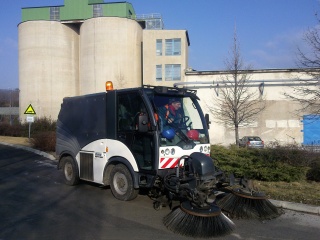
(176, 104)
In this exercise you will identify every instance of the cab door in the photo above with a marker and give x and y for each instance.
(130, 107)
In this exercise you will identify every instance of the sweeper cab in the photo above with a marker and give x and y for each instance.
(153, 138)
(98, 133)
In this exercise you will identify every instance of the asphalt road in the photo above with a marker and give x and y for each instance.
(36, 204)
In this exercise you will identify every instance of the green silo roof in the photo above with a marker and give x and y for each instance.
(79, 10)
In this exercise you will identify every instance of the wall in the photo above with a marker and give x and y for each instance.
(278, 122)
(110, 50)
(48, 66)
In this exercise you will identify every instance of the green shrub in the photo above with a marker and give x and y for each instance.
(291, 154)
(313, 173)
(258, 164)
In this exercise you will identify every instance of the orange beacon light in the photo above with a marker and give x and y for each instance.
(109, 86)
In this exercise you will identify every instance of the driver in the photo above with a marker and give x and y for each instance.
(170, 113)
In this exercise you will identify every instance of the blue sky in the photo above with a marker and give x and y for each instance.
(269, 31)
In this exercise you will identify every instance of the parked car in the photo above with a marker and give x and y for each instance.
(251, 142)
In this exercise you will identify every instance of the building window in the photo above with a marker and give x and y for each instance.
(55, 13)
(97, 10)
(159, 72)
(159, 47)
(173, 72)
(173, 47)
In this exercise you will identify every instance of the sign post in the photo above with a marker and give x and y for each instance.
(30, 119)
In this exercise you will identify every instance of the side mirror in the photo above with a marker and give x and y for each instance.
(143, 123)
(206, 117)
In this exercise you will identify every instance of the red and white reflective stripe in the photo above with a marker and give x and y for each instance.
(168, 162)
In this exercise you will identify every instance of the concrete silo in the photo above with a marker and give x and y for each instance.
(48, 65)
(110, 49)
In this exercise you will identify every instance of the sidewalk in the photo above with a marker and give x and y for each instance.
(24, 143)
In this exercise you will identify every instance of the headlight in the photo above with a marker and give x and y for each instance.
(173, 151)
(167, 151)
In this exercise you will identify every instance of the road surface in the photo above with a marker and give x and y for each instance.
(36, 204)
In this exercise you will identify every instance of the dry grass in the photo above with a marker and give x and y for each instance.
(299, 192)
(16, 140)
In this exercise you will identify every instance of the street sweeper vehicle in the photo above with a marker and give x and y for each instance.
(154, 138)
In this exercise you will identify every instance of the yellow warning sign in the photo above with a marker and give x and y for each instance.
(30, 110)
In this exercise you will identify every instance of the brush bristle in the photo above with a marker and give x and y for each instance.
(242, 207)
(186, 224)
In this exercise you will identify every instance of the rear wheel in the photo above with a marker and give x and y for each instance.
(70, 171)
(122, 183)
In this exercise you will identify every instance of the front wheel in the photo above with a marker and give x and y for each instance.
(122, 184)
(70, 171)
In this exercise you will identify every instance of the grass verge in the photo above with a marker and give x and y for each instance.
(305, 192)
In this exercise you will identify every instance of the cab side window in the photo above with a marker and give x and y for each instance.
(129, 107)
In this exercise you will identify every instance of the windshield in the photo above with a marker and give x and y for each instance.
(180, 121)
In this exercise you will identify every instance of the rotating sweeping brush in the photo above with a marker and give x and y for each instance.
(243, 204)
(189, 220)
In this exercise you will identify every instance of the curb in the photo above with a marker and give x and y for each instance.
(44, 154)
(299, 207)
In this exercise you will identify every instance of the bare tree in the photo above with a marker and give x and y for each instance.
(308, 60)
(235, 104)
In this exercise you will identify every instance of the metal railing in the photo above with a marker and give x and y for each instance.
(148, 16)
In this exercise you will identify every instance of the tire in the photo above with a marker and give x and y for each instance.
(70, 171)
(122, 183)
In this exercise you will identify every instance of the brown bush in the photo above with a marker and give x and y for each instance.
(10, 130)
(18, 129)
(4, 129)
(45, 141)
